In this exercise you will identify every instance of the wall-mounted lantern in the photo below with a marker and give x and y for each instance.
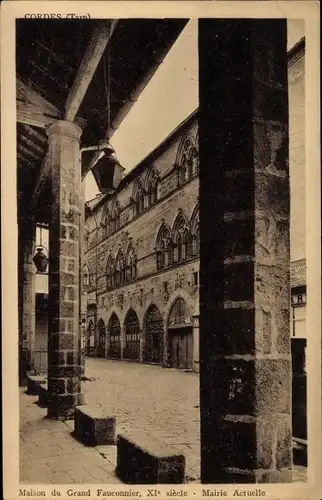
(40, 260)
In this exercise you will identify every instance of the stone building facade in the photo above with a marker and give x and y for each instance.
(151, 205)
(142, 259)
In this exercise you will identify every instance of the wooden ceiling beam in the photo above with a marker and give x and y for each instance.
(34, 133)
(28, 152)
(32, 114)
(32, 144)
(93, 54)
(26, 94)
(42, 177)
(25, 160)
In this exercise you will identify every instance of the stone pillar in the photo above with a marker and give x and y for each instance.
(82, 301)
(245, 363)
(64, 363)
(195, 334)
(28, 306)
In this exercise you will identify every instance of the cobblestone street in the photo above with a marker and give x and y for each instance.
(161, 402)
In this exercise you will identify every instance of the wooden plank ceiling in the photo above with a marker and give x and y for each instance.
(50, 86)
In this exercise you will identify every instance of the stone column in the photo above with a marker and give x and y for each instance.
(82, 301)
(245, 364)
(64, 363)
(28, 306)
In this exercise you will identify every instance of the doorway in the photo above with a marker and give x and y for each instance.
(181, 348)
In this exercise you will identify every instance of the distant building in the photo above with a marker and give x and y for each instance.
(142, 254)
(142, 258)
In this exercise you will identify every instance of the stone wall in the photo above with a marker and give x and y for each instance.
(177, 199)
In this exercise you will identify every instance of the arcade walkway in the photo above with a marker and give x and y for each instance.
(163, 402)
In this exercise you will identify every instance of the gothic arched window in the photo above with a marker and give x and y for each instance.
(163, 247)
(110, 272)
(195, 233)
(152, 186)
(180, 239)
(131, 271)
(138, 198)
(185, 159)
(86, 275)
(119, 269)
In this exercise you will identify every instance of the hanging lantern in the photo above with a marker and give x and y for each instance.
(107, 171)
(40, 260)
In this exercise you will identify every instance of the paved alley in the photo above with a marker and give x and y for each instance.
(162, 402)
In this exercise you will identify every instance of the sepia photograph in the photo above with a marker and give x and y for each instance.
(161, 215)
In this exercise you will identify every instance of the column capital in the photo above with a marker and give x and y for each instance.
(65, 127)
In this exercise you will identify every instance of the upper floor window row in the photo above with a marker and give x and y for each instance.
(187, 160)
(122, 269)
(146, 194)
(179, 244)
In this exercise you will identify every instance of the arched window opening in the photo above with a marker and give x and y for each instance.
(153, 331)
(114, 332)
(138, 199)
(90, 340)
(86, 275)
(181, 239)
(196, 241)
(132, 336)
(195, 230)
(119, 269)
(110, 272)
(131, 271)
(178, 313)
(186, 154)
(101, 339)
(163, 248)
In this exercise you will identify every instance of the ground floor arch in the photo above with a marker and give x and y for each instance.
(132, 336)
(180, 336)
(114, 335)
(153, 335)
(101, 338)
(90, 337)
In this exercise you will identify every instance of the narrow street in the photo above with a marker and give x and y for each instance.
(163, 402)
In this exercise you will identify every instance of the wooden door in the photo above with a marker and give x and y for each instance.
(181, 349)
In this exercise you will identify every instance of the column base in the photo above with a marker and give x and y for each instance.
(196, 366)
(62, 406)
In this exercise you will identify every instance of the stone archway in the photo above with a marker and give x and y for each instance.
(90, 337)
(153, 333)
(132, 336)
(114, 333)
(180, 336)
(101, 339)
